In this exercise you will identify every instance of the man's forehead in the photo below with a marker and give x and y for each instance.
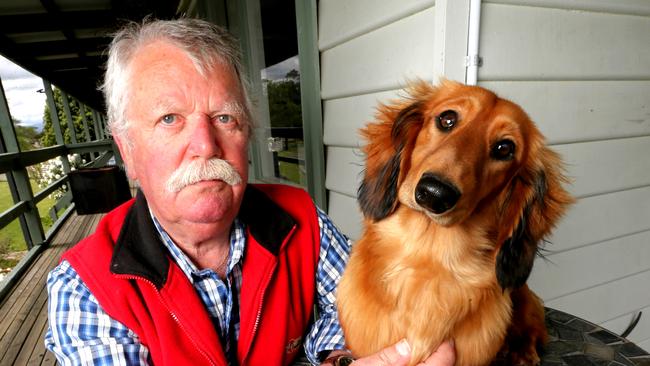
(168, 80)
(165, 57)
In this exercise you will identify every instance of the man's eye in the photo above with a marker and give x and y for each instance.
(168, 119)
(224, 118)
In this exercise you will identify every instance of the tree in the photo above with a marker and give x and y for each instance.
(28, 136)
(284, 100)
(51, 170)
(48, 137)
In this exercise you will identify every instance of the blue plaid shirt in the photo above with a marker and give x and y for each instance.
(81, 333)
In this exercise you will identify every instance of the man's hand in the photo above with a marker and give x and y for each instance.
(400, 354)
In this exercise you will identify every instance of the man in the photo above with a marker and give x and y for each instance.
(201, 268)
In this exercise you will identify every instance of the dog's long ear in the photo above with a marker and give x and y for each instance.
(388, 142)
(531, 207)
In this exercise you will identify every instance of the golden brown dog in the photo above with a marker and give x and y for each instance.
(459, 189)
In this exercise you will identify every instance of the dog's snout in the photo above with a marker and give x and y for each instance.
(435, 194)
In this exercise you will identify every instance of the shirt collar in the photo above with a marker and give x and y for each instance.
(237, 245)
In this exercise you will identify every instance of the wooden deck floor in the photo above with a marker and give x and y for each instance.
(23, 312)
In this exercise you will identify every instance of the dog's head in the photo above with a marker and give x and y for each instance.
(459, 154)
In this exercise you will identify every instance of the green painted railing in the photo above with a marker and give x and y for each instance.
(14, 164)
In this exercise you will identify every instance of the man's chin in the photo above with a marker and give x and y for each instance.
(208, 204)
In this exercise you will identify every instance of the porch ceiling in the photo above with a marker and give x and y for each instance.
(64, 40)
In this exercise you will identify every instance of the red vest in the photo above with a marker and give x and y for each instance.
(127, 268)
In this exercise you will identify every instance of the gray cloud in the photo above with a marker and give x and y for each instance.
(280, 70)
(21, 86)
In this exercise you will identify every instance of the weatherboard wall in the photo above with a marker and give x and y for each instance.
(580, 68)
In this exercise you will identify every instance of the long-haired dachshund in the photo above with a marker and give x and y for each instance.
(459, 189)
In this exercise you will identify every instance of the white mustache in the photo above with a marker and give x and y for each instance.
(200, 170)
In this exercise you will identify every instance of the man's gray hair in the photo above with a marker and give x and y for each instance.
(206, 44)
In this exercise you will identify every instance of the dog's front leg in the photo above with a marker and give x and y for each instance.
(527, 333)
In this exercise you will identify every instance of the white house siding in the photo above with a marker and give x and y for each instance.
(580, 68)
(369, 49)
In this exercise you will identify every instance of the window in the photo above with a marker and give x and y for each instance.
(283, 69)
(281, 87)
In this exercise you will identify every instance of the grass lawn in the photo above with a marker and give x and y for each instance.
(292, 171)
(11, 235)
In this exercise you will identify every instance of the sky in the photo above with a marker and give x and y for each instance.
(279, 70)
(21, 87)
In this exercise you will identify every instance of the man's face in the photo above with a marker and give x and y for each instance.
(177, 116)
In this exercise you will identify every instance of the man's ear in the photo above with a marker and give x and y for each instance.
(127, 156)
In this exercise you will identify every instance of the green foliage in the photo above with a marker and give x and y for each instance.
(49, 138)
(5, 250)
(284, 100)
(4, 247)
(28, 137)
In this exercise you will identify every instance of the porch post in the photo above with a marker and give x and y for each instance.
(18, 179)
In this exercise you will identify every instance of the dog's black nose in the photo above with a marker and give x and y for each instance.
(435, 194)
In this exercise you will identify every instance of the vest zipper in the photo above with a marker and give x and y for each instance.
(258, 316)
(173, 315)
(259, 309)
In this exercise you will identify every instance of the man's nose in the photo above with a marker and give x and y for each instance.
(203, 138)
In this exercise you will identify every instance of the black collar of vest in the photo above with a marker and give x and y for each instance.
(140, 252)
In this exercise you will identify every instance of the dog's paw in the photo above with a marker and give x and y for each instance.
(528, 358)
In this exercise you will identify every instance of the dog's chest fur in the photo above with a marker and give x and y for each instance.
(428, 284)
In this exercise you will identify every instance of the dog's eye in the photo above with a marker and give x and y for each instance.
(446, 120)
(503, 150)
